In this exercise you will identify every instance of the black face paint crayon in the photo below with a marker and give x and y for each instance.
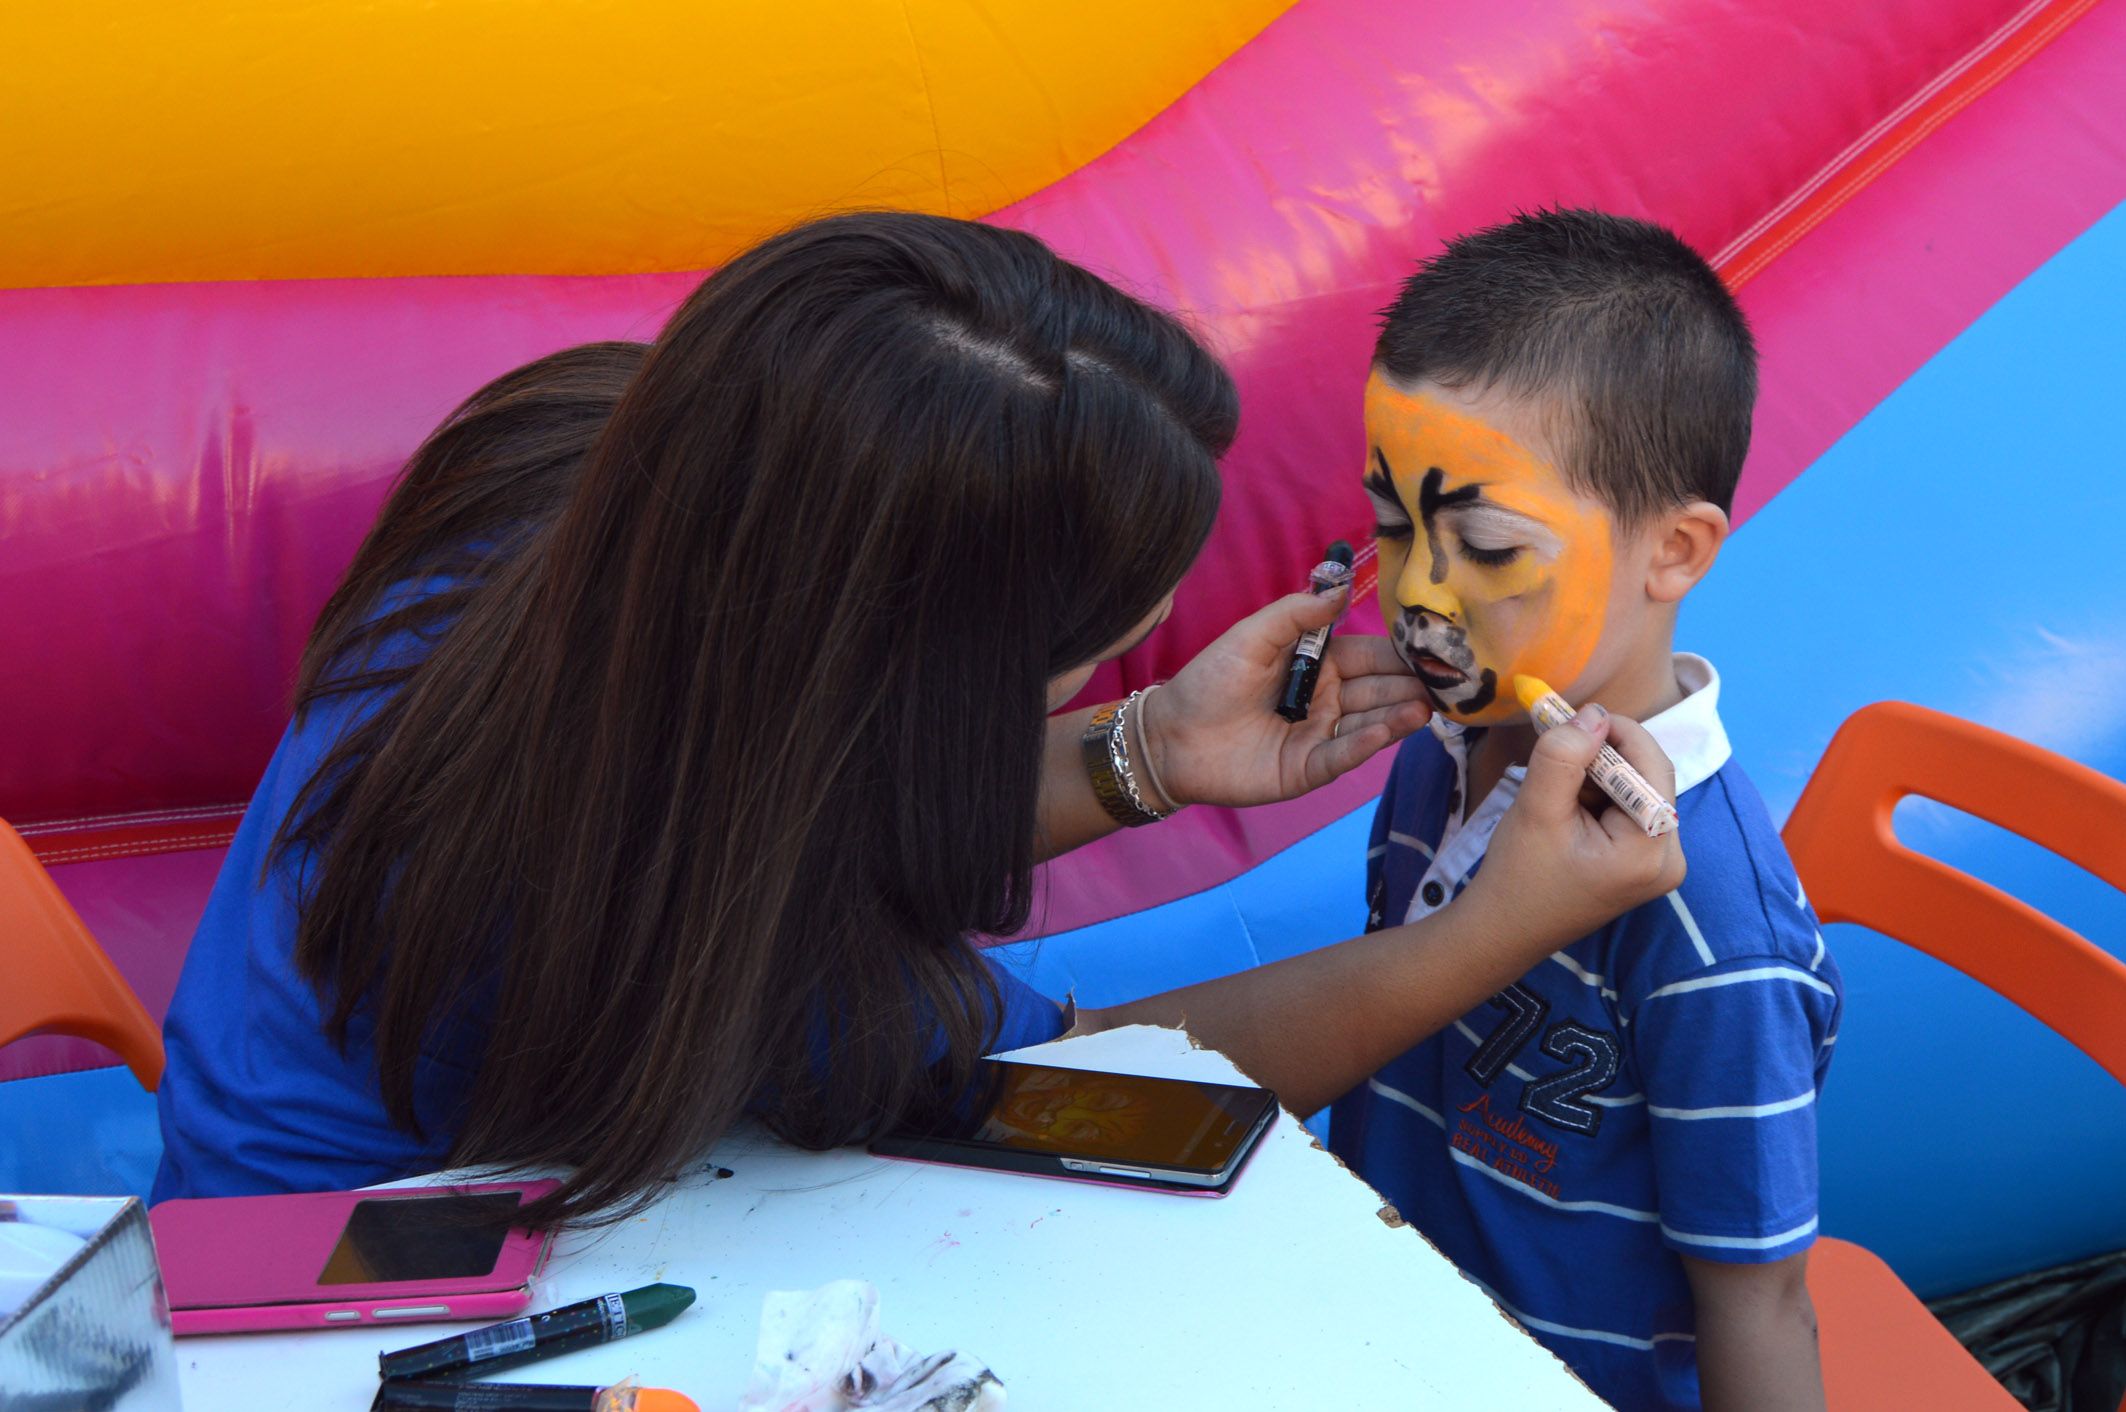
(1331, 574)
(416, 1395)
(527, 1340)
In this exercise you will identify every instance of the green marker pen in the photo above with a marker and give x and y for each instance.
(527, 1340)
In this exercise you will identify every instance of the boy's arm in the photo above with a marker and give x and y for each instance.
(1312, 1027)
(1730, 1012)
(1756, 1336)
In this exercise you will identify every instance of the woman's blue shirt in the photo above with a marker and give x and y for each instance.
(255, 1097)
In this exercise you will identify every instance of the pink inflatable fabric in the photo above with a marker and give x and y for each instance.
(185, 469)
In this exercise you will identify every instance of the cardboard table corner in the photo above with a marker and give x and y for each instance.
(1293, 1291)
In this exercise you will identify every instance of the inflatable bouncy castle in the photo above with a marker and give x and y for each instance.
(250, 260)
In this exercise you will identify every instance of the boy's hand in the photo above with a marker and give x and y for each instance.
(1756, 1336)
(1555, 872)
(1216, 738)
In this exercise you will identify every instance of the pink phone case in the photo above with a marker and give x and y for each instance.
(245, 1264)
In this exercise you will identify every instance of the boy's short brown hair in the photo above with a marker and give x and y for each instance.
(1643, 352)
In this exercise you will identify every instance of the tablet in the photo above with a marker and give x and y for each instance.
(336, 1259)
(1182, 1136)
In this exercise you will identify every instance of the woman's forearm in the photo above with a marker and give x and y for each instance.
(1314, 1026)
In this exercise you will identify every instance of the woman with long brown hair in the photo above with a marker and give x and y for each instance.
(689, 710)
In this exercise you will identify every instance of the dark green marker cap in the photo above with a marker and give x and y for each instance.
(654, 1306)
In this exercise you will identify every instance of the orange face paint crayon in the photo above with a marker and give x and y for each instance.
(1610, 772)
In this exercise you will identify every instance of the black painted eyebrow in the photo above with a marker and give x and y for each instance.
(1432, 502)
(1381, 483)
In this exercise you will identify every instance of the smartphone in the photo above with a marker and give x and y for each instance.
(238, 1264)
(1174, 1135)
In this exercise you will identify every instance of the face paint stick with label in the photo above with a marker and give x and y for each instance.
(1330, 575)
(1610, 771)
(418, 1395)
(521, 1341)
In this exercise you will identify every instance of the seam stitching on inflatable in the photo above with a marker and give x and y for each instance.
(1838, 180)
(1853, 150)
(152, 816)
(98, 852)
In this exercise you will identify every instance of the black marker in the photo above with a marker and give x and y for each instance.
(1331, 574)
(522, 1341)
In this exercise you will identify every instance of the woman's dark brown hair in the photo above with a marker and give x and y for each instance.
(695, 800)
(481, 487)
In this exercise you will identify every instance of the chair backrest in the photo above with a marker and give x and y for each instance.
(58, 979)
(1855, 870)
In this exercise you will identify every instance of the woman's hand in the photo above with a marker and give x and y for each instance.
(1554, 872)
(1213, 731)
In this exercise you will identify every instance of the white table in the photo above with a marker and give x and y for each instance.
(1291, 1292)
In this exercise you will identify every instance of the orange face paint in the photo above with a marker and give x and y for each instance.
(1491, 565)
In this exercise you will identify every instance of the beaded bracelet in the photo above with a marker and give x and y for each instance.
(1106, 749)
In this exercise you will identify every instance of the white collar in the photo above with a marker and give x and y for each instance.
(1689, 732)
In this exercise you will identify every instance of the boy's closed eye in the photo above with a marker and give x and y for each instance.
(1493, 536)
(1488, 557)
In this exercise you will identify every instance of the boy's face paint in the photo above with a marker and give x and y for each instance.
(1490, 564)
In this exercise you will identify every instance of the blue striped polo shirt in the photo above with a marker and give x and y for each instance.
(1647, 1092)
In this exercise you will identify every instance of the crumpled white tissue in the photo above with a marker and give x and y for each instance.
(821, 1351)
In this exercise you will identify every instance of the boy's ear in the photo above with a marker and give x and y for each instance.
(1686, 541)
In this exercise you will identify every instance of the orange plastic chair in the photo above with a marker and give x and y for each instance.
(58, 980)
(1881, 1348)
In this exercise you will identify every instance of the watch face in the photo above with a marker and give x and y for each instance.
(1107, 765)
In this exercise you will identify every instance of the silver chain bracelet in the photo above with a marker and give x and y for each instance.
(1118, 755)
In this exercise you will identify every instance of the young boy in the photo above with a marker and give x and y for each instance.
(1621, 1146)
